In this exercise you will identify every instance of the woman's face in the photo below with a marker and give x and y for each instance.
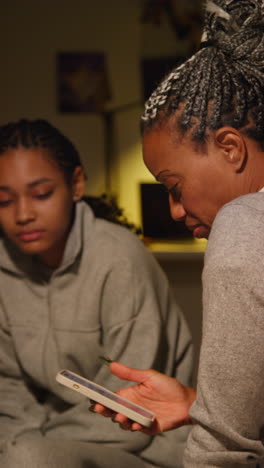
(199, 183)
(35, 203)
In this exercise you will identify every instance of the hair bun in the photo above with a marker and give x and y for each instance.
(232, 26)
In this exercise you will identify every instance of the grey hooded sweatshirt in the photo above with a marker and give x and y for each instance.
(108, 297)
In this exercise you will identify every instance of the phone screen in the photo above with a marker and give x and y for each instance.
(112, 396)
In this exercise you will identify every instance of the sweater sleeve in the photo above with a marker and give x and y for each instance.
(20, 413)
(229, 410)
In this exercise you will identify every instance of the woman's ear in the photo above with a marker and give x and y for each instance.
(78, 183)
(233, 147)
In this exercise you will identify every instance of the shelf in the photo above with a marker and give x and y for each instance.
(181, 249)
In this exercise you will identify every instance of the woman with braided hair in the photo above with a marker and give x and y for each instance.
(74, 287)
(203, 138)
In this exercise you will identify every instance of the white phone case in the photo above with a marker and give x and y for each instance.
(104, 396)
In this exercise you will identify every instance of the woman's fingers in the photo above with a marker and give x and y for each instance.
(128, 373)
(97, 408)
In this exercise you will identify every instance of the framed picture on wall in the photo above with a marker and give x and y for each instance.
(82, 81)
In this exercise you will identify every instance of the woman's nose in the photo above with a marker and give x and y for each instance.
(24, 212)
(177, 211)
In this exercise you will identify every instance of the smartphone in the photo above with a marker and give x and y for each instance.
(107, 398)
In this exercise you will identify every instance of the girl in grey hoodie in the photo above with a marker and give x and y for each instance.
(74, 287)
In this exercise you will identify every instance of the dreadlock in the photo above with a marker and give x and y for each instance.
(223, 82)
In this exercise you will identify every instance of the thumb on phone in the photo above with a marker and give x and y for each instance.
(128, 373)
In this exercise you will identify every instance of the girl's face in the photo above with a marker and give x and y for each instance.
(36, 203)
(199, 183)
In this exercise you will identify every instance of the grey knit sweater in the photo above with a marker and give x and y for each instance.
(230, 404)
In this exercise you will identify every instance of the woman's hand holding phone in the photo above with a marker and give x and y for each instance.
(165, 396)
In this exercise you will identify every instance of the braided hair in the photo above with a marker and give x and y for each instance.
(41, 134)
(223, 82)
(60, 150)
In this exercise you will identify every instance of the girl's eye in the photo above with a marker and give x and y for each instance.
(43, 196)
(4, 203)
